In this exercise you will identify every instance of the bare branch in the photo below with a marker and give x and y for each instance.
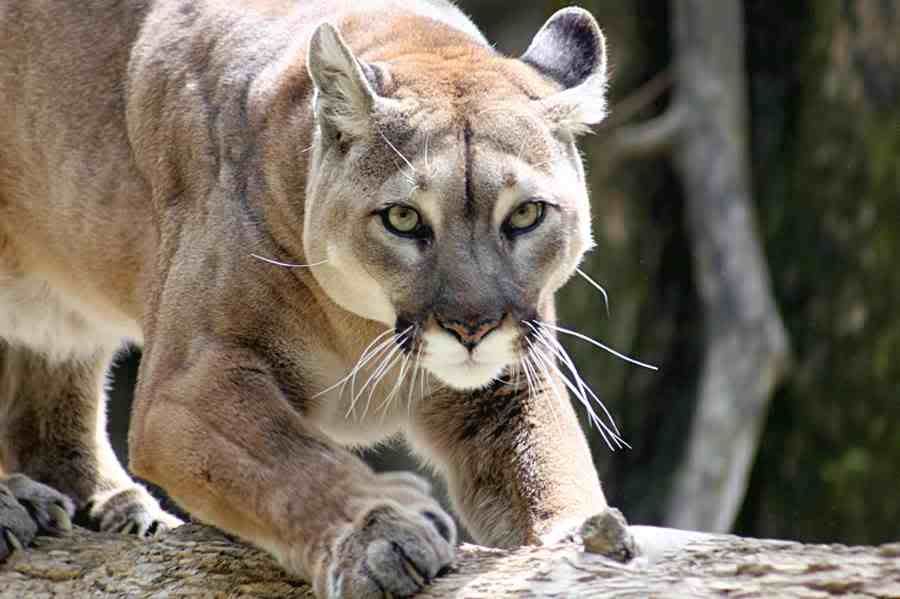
(655, 137)
(627, 108)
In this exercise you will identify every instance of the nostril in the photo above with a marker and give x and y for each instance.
(470, 333)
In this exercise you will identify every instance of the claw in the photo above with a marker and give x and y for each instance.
(61, 518)
(413, 572)
(128, 528)
(12, 540)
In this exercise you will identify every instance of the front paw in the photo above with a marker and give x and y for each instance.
(28, 507)
(131, 510)
(394, 548)
(607, 534)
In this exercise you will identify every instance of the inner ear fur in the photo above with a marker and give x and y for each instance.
(570, 49)
(346, 87)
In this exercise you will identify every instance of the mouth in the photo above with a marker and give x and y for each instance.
(454, 364)
(466, 376)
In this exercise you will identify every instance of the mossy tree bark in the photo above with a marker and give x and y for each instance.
(826, 95)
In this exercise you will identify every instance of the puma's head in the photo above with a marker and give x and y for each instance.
(446, 196)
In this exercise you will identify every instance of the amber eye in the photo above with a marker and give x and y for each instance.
(524, 218)
(404, 221)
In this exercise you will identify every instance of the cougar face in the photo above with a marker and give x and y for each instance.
(483, 213)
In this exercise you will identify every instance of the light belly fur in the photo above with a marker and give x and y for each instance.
(35, 314)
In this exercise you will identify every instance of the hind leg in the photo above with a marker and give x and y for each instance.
(53, 431)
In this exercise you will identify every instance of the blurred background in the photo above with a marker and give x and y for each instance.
(746, 198)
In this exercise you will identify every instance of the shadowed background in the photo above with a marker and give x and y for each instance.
(817, 85)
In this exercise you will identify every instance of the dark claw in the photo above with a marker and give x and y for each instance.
(12, 540)
(413, 572)
(61, 521)
(128, 528)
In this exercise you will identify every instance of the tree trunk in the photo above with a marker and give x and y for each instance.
(745, 349)
(196, 561)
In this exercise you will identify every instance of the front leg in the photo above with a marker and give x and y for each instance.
(223, 441)
(517, 464)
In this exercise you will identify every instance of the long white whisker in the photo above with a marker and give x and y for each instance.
(382, 347)
(428, 167)
(598, 344)
(412, 382)
(387, 401)
(400, 154)
(598, 286)
(362, 361)
(287, 264)
(525, 370)
(384, 360)
(605, 433)
(609, 435)
(386, 366)
(583, 389)
(387, 363)
(353, 394)
(542, 364)
(561, 353)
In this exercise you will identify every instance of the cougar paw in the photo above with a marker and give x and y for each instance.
(130, 511)
(28, 507)
(607, 534)
(392, 549)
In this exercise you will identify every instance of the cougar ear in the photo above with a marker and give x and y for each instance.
(571, 50)
(345, 86)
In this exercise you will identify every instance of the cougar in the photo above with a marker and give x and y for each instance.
(328, 223)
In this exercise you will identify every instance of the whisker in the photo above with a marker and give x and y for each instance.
(582, 391)
(412, 382)
(425, 384)
(362, 361)
(598, 286)
(398, 340)
(561, 352)
(387, 363)
(386, 366)
(525, 370)
(387, 401)
(400, 154)
(428, 166)
(609, 435)
(380, 353)
(542, 363)
(287, 264)
(598, 344)
(605, 433)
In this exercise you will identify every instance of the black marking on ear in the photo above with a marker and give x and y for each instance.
(470, 192)
(567, 49)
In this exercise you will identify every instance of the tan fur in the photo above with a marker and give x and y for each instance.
(154, 155)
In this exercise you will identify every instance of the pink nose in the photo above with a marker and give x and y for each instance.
(470, 334)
